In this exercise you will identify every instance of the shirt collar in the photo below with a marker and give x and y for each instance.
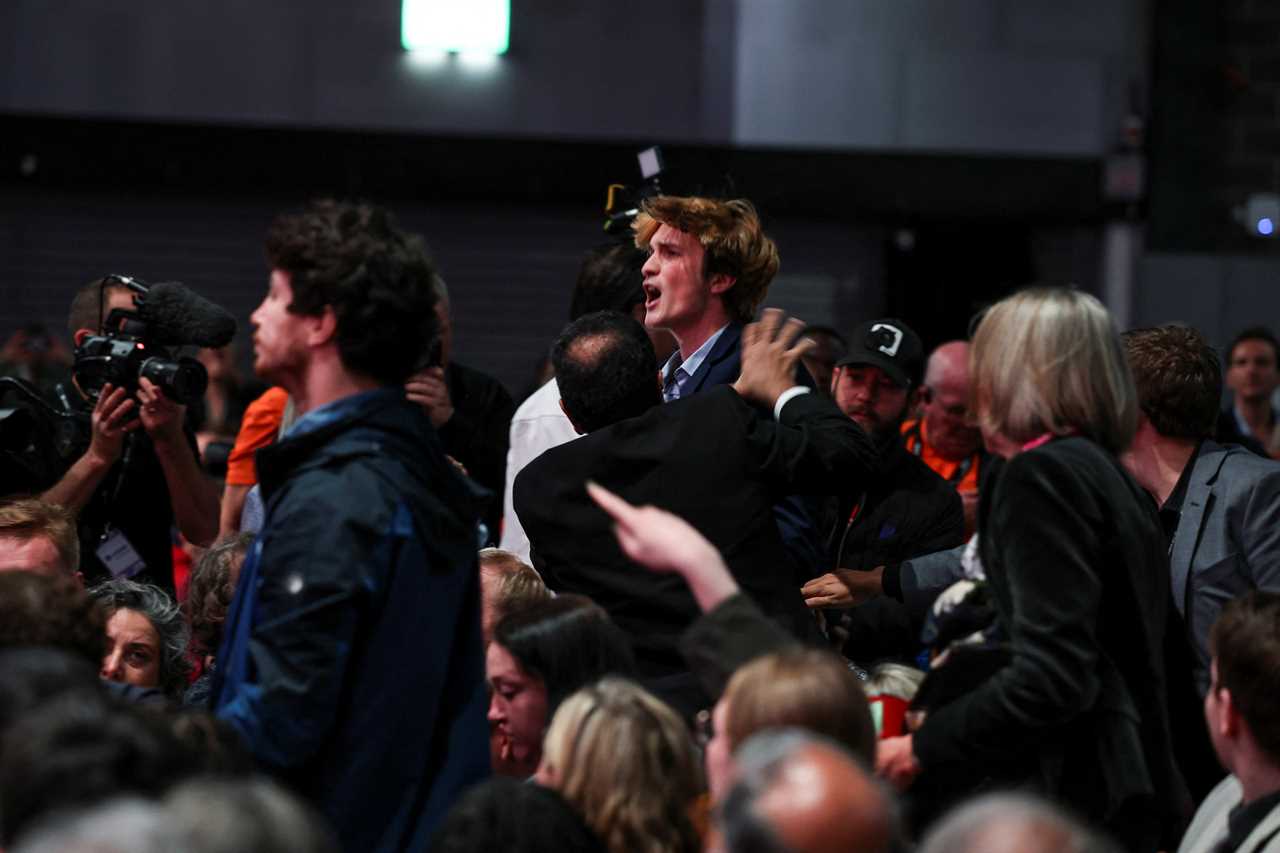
(1244, 818)
(693, 362)
(334, 411)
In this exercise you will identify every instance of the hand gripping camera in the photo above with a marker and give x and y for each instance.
(142, 343)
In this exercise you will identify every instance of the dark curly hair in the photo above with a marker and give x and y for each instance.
(1178, 377)
(606, 370)
(41, 610)
(377, 278)
(209, 591)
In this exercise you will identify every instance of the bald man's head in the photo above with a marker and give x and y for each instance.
(800, 793)
(946, 402)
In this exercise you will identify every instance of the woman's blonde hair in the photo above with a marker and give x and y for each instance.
(627, 763)
(1049, 360)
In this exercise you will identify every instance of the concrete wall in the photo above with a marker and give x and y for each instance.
(994, 76)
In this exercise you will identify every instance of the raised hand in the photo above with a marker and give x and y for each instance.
(770, 350)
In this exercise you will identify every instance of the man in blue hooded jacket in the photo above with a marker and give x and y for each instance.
(352, 662)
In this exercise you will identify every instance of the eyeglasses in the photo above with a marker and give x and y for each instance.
(703, 728)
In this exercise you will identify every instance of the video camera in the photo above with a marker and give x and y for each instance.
(622, 204)
(140, 343)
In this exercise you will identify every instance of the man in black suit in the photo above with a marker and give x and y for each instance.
(713, 458)
(710, 265)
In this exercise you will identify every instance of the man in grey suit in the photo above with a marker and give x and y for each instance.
(1220, 505)
(1242, 814)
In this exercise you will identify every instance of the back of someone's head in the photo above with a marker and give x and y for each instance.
(80, 748)
(37, 610)
(514, 817)
(609, 280)
(809, 689)
(165, 617)
(567, 641)
(1245, 643)
(733, 242)
(210, 589)
(1178, 377)
(1011, 823)
(29, 676)
(627, 762)
(796, 792)
(1048, 360)
(377, 279)
(606, 370)
(25, 519)
(507, 584)
(212, 815)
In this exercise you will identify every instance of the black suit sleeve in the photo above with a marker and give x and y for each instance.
(1047, 550)
(814, 449)
(735, 632)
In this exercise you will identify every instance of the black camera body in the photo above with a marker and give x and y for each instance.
(122, 359)
(143, 343)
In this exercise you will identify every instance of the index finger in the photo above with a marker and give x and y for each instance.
(617, 508)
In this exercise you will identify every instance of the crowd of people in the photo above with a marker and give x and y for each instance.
(725, 582)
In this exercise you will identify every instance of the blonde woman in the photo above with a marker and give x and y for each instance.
(1076, 563)
(627, 763)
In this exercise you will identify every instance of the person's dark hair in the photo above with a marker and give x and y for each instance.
(88, 306)
(516, 817)
(217, 746)
(609, 280)
(39, 610)
(209, 591)
(80, 748)
(29, 676)
(1245, 644)
(164, 615)
(568, 642)
(1254, 333)
(1179, 379)
(606, 370)
(377, 278)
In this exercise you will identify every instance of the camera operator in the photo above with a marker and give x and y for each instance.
(140, 473)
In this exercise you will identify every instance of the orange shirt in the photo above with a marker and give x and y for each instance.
(917, 441)
(258, 428)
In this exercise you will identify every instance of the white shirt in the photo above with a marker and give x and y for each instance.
(538, 425)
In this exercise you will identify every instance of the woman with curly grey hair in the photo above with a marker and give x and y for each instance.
(146, 636)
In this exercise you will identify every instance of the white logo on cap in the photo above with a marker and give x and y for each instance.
(892, 349)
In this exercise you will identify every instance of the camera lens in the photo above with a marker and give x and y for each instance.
(183, 380)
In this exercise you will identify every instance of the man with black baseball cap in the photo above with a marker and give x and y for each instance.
(904, 511)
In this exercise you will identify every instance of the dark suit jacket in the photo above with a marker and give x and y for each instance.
(1076, 565)
(796, 516)
(713, 460)
(1227, 542)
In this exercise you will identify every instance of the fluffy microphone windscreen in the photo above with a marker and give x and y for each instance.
(178, 316)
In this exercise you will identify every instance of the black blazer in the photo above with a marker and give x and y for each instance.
(715, 461)
(1076, 563)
